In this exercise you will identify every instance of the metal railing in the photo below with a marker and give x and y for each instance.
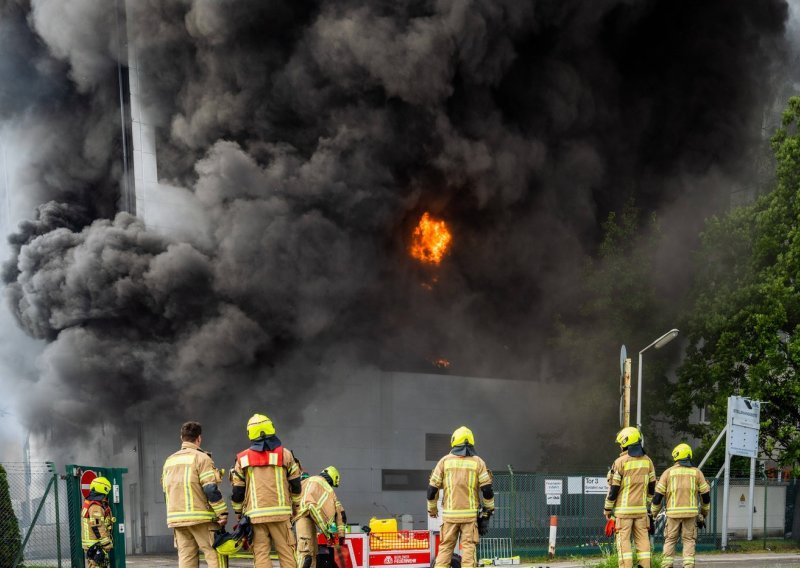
(494, 548)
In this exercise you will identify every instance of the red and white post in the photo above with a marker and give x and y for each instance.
(553, 528)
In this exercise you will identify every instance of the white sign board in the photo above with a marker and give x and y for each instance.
(595, 485)
(553, 486)
(553, 499)
(744, 422)
(574, 485)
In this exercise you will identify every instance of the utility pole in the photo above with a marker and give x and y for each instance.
(626, 394)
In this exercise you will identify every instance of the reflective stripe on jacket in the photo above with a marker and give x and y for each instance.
(460, 478)
(680, 486)
(633, 475)
(319, 501)
(183, 477)
(96, 524)
(265, 477)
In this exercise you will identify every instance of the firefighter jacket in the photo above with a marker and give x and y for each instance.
(189, 480)
(96, 523)
(265, 477)
(461, 478)
(633, 480)
(319, 501)
(680, 486)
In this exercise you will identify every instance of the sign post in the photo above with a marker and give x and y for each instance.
(744, 423)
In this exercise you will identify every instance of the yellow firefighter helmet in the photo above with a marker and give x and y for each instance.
(462, 435)
(226, 543)
(682, 452)
(333, 474)
(259, 425)
(100, 485)
(628, 436)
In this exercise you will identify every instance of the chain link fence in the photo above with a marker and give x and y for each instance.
(523, 511)
(37, 496)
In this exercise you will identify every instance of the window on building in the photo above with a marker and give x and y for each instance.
(436, 446)
(404, 479)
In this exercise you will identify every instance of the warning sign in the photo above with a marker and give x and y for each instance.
(553, 486)
(86, 479)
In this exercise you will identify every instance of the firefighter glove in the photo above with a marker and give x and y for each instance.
(222, 520)
(651, 526)
(701, 522)
(611, 527)
(483, 525)
(433, 509)
(607, 513)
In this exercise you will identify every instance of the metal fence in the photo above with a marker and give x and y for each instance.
(37, 494)
(523, 512)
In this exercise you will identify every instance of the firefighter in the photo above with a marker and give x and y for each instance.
(97, 523)
(195, 508)
(633, 481)
(465, 480)
(318, 508)
(265, 479)
(678, 489)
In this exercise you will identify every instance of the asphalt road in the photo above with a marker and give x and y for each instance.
(712, 560)
(757, 560)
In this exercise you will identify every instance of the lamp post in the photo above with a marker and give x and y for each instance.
(658, 344)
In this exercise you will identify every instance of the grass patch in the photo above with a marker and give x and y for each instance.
(610, 560)
(757, 545)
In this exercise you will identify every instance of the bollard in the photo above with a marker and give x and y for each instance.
(553, 526)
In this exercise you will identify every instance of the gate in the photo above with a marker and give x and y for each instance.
(77, 477)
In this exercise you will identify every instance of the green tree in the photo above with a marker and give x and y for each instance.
(744, 328)
(10, 542)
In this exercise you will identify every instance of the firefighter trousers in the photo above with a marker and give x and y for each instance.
(306, 542)
(635, 527)
(267, 535)
(686, 529)
(192, 540)
(451, 533)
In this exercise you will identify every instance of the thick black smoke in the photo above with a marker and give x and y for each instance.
(313, 135)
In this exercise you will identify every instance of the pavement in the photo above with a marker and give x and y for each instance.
(754, 560)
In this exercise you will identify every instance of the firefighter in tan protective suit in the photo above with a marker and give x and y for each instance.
(464, 479)
(265, 479)
(97, 523)
(195, 508)
(318, 508)
(633, 482)
(678, 489)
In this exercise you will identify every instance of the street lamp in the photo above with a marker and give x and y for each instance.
(658, 344)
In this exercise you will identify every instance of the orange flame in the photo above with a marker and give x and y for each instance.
(430, 240)
(441, 363)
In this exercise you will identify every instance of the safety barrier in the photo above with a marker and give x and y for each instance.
(33, 519)
(493, 548)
